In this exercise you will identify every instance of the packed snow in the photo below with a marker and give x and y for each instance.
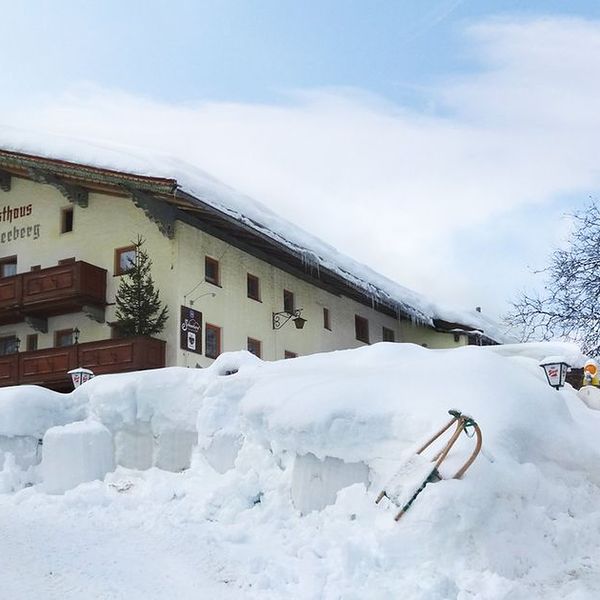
(315, 252)
(75, 453)
(251, 479)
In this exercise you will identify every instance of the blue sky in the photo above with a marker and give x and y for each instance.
(248, 50)
(449, 137)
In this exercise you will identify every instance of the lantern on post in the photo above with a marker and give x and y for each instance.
(556, 369)
(80, 375)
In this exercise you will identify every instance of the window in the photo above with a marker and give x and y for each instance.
(326, 319)
(254, 346)
(211, 270)
(212, 335)
(32, 342)
(361, 327)
(63, 337)
(66, 220)
(288, 301)
(9, 344)
(388, 335)
(253, 284)
(288, 354)
(8, 266)
(124, 259)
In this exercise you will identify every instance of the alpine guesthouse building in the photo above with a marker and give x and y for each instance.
(232, 274)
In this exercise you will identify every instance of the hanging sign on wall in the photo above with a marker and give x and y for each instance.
(190, 330)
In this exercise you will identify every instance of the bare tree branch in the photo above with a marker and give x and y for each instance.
(569, 306)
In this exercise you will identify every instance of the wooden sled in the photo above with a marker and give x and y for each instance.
(414, 474)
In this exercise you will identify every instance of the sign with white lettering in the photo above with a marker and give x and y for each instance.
(190, 331)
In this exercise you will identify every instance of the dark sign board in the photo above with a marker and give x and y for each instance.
(190, 330)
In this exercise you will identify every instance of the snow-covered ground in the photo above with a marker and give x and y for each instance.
(285, 462)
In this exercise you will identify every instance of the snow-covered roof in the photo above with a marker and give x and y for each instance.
(251, 213)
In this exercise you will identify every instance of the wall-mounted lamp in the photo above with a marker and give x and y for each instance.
(281, 318)
(76, 333)
(17, 344)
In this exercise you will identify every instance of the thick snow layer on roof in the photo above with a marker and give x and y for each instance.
(191, 179)
(522, 523)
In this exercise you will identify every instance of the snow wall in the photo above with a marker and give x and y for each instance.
(339, 418)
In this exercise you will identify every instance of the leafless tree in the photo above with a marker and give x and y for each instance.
(569, 305)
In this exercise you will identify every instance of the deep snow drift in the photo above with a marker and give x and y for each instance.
(285, 461)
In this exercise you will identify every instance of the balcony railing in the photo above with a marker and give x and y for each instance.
(49, 367)
(53, 291)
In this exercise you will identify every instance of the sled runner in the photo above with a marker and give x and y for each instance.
(414, 474)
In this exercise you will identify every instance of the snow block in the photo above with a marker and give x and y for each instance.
(174, 450)
(315, 483)
(76, 453)
(222, 452)
(134, 447)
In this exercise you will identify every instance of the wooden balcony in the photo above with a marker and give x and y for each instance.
(49, 367)
(53, 291)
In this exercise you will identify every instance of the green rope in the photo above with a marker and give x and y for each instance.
(469, 423)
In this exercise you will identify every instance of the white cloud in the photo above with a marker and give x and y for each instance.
(395, 188)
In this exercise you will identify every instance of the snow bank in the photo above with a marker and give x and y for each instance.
(320, 436)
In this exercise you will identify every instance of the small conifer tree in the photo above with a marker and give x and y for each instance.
(139, 310)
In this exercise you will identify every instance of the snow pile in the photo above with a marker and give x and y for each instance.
(248, 211)
(321, 436)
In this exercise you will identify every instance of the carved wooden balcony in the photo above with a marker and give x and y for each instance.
(49, 367)
(59, 290)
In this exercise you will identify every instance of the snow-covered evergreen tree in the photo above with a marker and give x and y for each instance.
(139, 310)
